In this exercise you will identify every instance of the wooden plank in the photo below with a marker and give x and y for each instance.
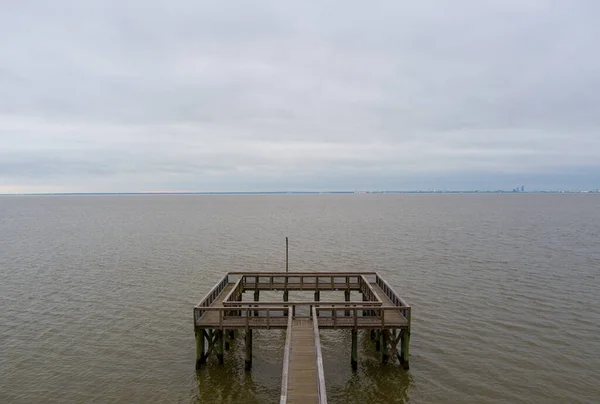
(303, 375)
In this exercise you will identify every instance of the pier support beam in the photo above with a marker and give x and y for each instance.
(248, 359)
(286, 297)
(377, 340)
(404, 355)
(256, 299)
(384, 351)
(220, 346)
(354, 358)
(347, 299)
(200, 358)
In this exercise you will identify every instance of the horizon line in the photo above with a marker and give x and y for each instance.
(303, 192)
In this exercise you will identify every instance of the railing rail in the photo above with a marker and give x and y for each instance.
(367, 290)
(394, 298)
(235, 291)
(354, 313)
(322, 392)
(209, 298)
(286, 360)
(311, 303)
(325, 274)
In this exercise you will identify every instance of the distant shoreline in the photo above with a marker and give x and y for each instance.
(301, 193)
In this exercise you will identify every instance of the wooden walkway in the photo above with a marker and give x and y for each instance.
(302, 386)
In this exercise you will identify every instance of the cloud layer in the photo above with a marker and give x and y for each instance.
(104, 96)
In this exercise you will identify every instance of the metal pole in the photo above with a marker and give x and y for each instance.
(286, 255)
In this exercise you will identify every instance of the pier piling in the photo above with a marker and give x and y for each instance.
(248, 357)
(354, 357)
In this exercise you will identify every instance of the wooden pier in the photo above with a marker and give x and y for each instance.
(381, 312)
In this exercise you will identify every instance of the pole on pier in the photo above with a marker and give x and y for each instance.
(405, 340)
(354, 358)
(248, 359)
(200, 359)
(384, 351)
(220, 346)
(286, 255)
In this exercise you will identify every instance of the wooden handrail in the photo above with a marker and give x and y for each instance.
(286, 360)
(279, 303)
(217, 286)
(322, 392)
(233, 290)
(291, 274)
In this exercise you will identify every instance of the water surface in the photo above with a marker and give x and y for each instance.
(97, 294)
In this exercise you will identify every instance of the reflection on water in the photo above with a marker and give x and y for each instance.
(373, 382)
(232, 384)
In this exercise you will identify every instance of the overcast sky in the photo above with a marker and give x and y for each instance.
(114, 96)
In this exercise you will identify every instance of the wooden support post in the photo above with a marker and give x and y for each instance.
(354, 358)
(231, 334)
(372, 334)
(248, 360)
(286, 297)
(317, 295)
(377, 340)
(364, 299)
(384, 351)
(256, 299)
(200, 358)
(404, 355)
(220, 346)
(227, 339)
(347, 298)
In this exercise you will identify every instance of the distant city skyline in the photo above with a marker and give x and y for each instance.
(102, 96)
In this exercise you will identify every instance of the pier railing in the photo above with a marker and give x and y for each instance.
(275, 314)
(286, 361)
(210, 297)
(301, 280)
(394, 297)
(322, 392)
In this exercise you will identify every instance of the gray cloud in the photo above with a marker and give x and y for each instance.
(134, 96)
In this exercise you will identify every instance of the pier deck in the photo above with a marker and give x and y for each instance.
(380, 311)
(301, 367)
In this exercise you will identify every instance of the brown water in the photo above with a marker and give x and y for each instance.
(97, 293)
